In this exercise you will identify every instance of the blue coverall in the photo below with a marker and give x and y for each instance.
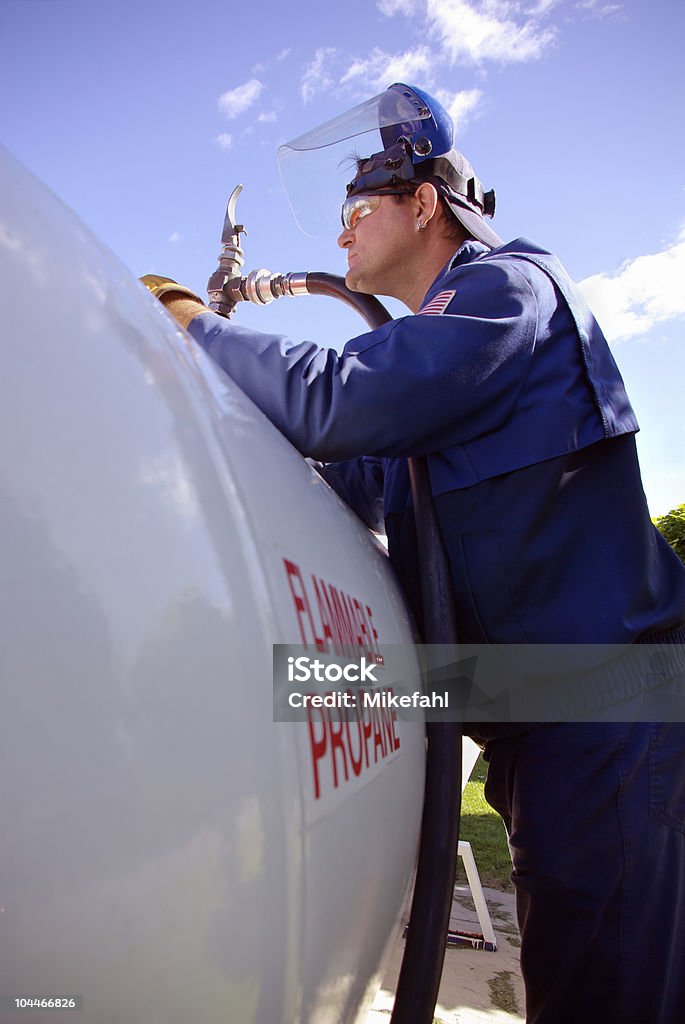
(511, 392)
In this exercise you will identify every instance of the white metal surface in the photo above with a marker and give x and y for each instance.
(167, 850)
(477, 894)
(470, 753)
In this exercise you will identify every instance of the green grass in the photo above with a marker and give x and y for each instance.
(484, 829)
(502, 992)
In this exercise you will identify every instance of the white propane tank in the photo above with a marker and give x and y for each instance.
(169, 852)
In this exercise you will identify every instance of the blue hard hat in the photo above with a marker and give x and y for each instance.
(431, 133)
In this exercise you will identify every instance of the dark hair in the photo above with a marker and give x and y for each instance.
(453, 229)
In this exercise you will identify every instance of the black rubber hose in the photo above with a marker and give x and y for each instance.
(368, 306)
(424, 951)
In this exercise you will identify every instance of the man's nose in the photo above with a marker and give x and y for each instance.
(345, 238)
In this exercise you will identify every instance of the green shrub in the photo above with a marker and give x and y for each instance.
(672, 526)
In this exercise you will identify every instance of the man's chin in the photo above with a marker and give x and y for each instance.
(356, 284)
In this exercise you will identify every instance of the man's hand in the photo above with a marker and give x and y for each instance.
(183, 304)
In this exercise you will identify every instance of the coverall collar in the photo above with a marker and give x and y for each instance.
(470, 250)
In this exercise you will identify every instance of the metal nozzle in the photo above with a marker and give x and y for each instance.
(225, 281)
(262, 287)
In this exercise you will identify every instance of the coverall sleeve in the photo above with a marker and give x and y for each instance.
(359, 482)
(414, 386)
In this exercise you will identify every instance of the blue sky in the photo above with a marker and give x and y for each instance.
(142, 116)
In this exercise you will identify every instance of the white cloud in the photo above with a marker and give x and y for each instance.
(599, 8)
(460, 105)
(644, 292)
(382, 69)
(532, 8)
(487, 31)
(225, 140)
(316, 77)
(390, 7)
(539, 7)
(268, 118)
(463, 31)
(262, 65)
(237, 101)
(175, 236)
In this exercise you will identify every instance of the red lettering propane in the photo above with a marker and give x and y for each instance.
(169, 852)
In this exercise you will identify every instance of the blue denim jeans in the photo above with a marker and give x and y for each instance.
(596, 820)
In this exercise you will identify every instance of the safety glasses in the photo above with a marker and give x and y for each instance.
(355, 208)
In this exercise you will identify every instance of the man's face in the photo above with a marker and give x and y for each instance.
(379, 246)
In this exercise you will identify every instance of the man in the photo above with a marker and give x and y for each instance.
(502, 378)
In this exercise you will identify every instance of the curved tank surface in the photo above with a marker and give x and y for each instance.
(169, 852)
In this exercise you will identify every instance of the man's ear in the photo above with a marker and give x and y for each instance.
(427, 198)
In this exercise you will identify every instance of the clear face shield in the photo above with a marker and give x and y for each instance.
(317, 167)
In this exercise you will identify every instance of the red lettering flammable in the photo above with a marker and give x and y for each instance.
(331, 620)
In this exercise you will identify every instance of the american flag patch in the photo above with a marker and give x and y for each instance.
(438, 304)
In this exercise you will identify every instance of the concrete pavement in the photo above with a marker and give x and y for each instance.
(478, 986)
